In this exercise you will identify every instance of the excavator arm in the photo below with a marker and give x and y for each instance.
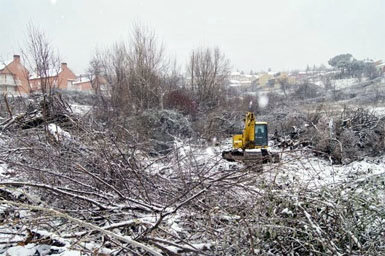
(246, 139)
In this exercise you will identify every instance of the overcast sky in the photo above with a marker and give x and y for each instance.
(255, 35)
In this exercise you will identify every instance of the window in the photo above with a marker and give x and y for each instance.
(261, 135)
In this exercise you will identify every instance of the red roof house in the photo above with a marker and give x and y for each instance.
(59, 79)
(14, 76)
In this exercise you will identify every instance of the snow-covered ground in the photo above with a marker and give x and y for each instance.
(295, 168)
(379, 110)
(36, 249)
(344, 83)
(298, 166)
(80, 109)
(302, 167)
(3, 170)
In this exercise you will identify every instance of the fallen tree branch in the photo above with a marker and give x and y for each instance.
(57, 190)
(87, 225)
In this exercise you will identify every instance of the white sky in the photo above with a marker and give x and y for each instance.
(254, 34)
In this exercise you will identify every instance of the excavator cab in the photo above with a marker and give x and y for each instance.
(260, 137)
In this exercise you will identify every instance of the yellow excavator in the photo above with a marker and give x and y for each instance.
(252, 144)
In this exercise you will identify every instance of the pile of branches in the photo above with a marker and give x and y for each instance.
(158, 130)
(343, 137)
(333, 220)
(96, 192)
(105, 190)
(41, 109)
(201, 210)
(219, 124)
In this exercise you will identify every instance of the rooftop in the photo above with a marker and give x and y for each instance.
(4, 63)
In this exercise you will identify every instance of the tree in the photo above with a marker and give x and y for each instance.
(371, 71)
(137, 71)
(341, 62)
(322, 67)
(284, 84)
(307, 69)
(350, 67)
(42, 58)
(95, 72)
(147, 68)
(209, 70)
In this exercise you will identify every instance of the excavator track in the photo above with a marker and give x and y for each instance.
(260, 157)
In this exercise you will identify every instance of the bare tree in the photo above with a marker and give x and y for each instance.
(42, 59)
(147, 67)
(284, 85)
(44, 63)
(208, 69)
(96, 72)
(137, 71)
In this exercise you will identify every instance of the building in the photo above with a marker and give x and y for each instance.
(59, 79)
(240, 79)
(264, 78)
(14, 77)
(380, 66)
(85, 83)
(81, 83)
